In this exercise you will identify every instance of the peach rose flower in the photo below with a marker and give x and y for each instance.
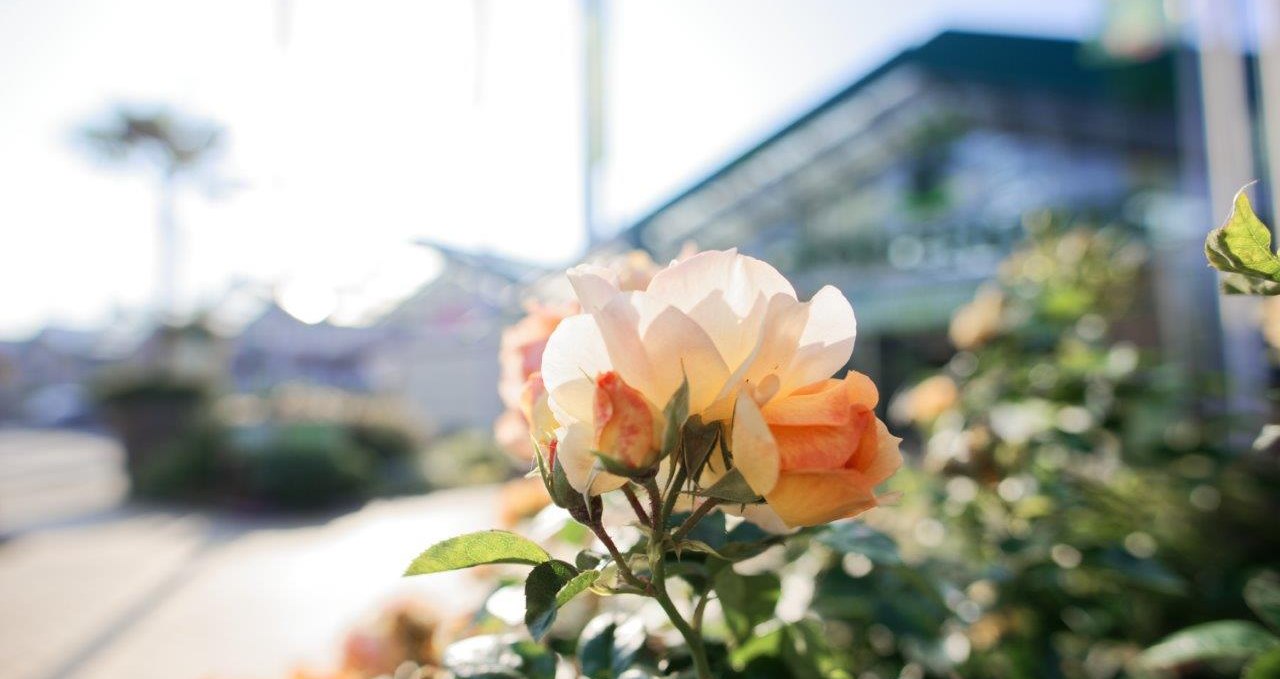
(756, 359)
(520, 353)
(519, 357)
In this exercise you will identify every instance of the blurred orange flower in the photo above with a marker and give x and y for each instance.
(977, 322)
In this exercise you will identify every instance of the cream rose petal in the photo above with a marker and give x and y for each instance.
(679, 348)
(735, 335)
(741, 278)
(574, 356)
(574, 453)
(775, 344)
(826, 343)
(755, 453)
(593, 285)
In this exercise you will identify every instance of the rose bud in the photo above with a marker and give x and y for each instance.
(624, 422)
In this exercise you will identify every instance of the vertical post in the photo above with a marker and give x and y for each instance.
(1229, 159)
(166, 249)
(1267, 33)
(593, 114)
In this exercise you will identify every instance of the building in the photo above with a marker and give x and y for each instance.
(906, 188)
(439, 350)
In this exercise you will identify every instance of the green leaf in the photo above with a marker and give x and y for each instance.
(1242, 245)
(711, 529)
(1262, 593)
(614, 645)
(855, 537)
(493, 656)
(542, 594)
(1240, 284)
(579, 584)
(1224, 639)
(732, 487)
(810, 654)
(587, 560)
(1245, 242)
(747, 600)
(675, 413)
(747, 540)
(475, 549)
(1265, 666)
(595, 647)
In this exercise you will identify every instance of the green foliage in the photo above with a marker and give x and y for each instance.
(794, 651)
(1265, 666)
(1262, 593)
(309, 466)
(499, 657)
(188, 468)
(550, 585)
(747, 600)
(1223, 640)
(475, 549)
(614, 646)
(850, 537)
(1241, 248)
(1071, 508)
(464, 458)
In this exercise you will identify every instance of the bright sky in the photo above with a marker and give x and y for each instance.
(367, 129)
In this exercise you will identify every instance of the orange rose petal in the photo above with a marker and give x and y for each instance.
(862, 391)
(810, 448)
(811, 498)
(624, 422)
(883, 459)
(821, 403)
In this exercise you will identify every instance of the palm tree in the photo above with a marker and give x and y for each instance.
(175, 148)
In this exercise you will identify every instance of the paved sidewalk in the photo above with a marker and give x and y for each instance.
(150, 594)
(48, 476)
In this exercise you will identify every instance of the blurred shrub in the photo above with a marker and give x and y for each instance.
(309, 466)
(152, 411)
(297, 447)
(1073, 503)
(466, 457)
(191, 467)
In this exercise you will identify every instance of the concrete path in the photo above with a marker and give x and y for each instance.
(48, 476)
(168, 595)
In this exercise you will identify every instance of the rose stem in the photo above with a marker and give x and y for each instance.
(689, 523)
(627, 574)
(691, 637)
(655, 505)
(635, 504)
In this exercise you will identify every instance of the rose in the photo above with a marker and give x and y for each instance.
(757, 361)
(832, 450)
(519, 357)
(520, 352)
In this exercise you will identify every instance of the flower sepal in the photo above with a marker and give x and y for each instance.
(619, 468)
